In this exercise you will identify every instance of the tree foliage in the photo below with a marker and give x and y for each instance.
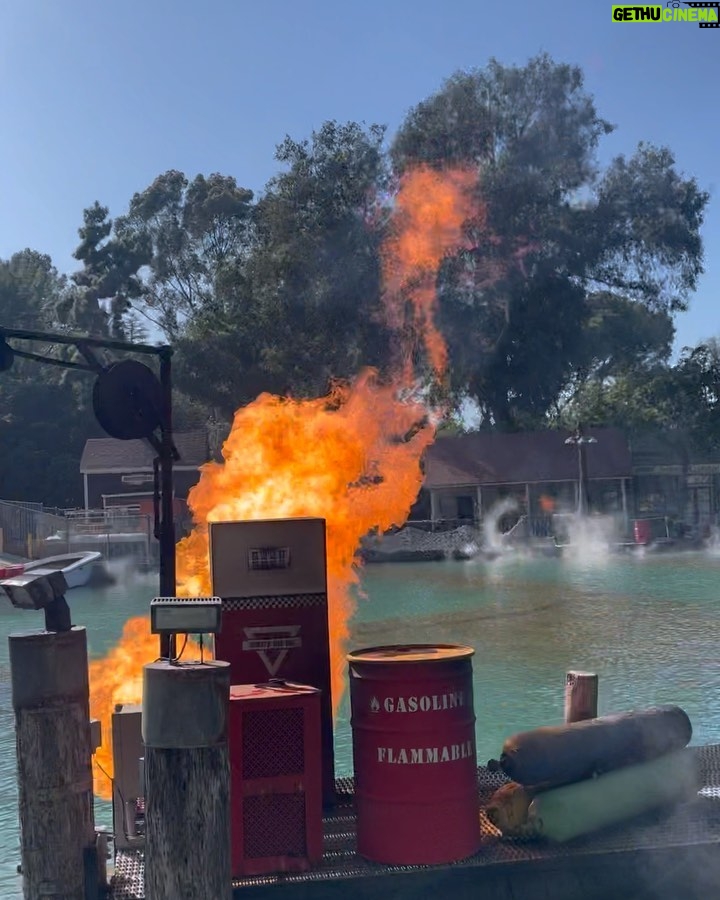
(315, 270)
(300, 305)
(560, 237)
(681, 401)
(563, 307)
(193, 232)
(30, 289)
(42, 423)
(579, 267)
(111, 259)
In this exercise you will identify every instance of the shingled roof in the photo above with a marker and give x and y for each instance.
(523, 457)
(104, 455)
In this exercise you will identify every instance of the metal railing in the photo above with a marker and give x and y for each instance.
(529, 527)
(24, 528)
(29, 530)
(439, 524)
(519, 527)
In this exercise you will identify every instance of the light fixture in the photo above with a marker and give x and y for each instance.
(185, 615)
(580, 439)
(36, 590)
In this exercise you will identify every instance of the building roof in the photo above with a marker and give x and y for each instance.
(489, 458)
(108, 455)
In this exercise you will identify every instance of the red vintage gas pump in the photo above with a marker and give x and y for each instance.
(271, 576)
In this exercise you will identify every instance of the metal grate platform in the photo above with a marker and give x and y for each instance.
(692, 824)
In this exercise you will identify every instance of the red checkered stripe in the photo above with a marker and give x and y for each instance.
(286, 601)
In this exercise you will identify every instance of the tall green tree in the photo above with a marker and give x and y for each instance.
(108, 282)
(44, 416)
(192, 232)
(303, 307)
(315, 271)
(558, 237)
(680, 401)
(30, 289)
(161, 261)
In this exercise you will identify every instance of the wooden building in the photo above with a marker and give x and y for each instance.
(674, 480)
(539, 472)
(120, 473)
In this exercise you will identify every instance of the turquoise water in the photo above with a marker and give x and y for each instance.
(648, 626)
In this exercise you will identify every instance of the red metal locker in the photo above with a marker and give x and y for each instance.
(275, 778)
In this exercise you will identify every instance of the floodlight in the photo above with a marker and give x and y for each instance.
(36, 590)
(185, 615)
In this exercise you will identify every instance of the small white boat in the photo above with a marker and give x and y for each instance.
(133, 546)
(78, 568)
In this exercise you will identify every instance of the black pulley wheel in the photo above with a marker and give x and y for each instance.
(127, 400)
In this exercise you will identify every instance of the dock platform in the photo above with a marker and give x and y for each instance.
(666, 856)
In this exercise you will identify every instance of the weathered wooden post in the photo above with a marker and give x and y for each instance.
(187, 780)
(581, 696)
(49, 675)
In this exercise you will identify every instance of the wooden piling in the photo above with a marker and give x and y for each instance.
(581, 696)
(187, 781)
(49, 675)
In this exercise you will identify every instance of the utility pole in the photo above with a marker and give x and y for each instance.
(580, 440)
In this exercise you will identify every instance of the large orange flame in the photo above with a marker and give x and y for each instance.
(430, 211)
(346, 458)
(117, 679)
(352, 458)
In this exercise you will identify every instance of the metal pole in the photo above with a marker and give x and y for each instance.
(167, 511)
(24, 334)
(623, 491)
(581, 476)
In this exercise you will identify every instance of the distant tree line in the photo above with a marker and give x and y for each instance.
(563, 311)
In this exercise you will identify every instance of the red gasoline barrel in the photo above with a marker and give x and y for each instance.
(642, 529)
(413, 725)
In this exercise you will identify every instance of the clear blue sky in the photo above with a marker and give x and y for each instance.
(98, 97)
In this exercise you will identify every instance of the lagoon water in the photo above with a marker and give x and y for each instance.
(647, 625)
